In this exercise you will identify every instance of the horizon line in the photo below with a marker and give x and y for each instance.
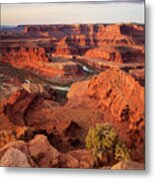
(17, 25)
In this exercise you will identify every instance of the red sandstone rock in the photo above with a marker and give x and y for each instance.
(118, 92)
(22, 149)
(24, 133)
(16, 111)
(14, 158)
(68, 161)
(76, 159)
(123, 96)
(119, 54)
(86, 29)
(101, 99)
(110, 88)
(128, 165)
(63, 48)
(117, 42)
(42, 152)
(84, 157)
(24, 54)
(109, 54)
(36, 62)
(20, 154)
(139, 75)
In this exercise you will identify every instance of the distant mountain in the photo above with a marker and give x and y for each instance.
(7, 27)
(12, 28)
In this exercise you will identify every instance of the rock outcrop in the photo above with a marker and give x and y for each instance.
(77, 159)
(128, 165)
(110, 89)
(118, 54)
(17, 148)
(40, 153)
(139, 75)
(35, 61)
(20, 55)
(14, 158)
(120, 94)
(16, 111)
(64, 48)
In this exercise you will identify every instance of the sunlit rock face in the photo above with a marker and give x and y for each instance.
(58, 81)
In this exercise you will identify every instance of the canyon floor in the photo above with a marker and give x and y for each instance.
(58, 81)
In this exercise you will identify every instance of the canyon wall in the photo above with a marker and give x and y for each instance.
(111, 42)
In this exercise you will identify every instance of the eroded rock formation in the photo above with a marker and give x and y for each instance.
(112, 96)
(118, 92)
(21, 154)
(22, 54)
(32, 114)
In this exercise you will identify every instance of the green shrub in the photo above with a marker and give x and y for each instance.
(105, 145)
(121, 151)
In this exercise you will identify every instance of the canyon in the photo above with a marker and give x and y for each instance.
(58, 81)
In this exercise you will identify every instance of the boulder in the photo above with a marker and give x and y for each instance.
(44, 154)
(14, 158)
(128, 165)
(76, 159)
(68, 161)
(84, 158)
(22, 147)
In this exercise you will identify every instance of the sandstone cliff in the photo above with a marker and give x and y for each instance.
(120, 94)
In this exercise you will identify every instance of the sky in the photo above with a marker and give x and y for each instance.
(70, 13)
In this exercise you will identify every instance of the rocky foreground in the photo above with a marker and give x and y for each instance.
(58, 81)
(31, 118)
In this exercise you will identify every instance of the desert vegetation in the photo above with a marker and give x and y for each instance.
(105, 145)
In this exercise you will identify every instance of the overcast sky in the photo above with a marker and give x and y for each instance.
(67, 13)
